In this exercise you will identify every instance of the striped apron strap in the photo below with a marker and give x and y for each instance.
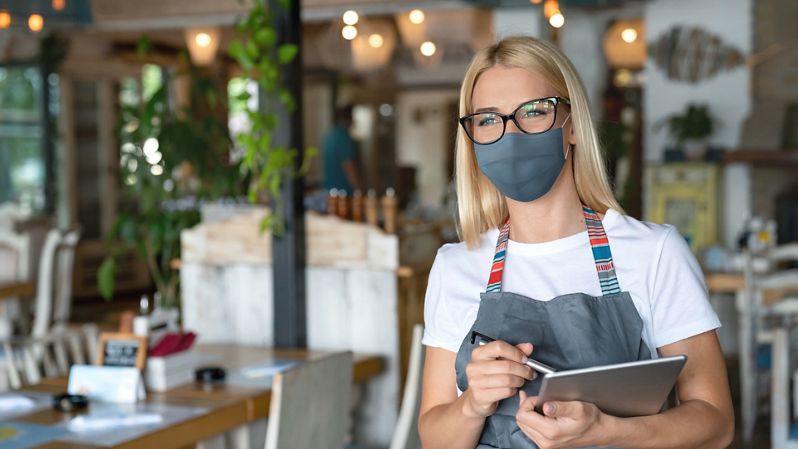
(599, 244)
(601, 252)
(497, 268)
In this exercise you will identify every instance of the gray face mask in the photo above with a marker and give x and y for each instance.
(522, 166)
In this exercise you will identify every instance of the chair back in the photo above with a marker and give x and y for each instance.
(405, 434)
(62, 292)
(15, 260)
(310, 405)
(43, 308)
(27, 360)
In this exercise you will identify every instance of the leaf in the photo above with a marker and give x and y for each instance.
(105, 278)
(266, 37)
(286, 53)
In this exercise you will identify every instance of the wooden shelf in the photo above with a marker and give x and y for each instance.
(763, 157)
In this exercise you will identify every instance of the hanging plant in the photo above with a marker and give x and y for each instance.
(261, 57)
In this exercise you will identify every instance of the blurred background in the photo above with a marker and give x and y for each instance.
(270, 174)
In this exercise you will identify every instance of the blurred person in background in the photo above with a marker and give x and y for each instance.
(340, 155)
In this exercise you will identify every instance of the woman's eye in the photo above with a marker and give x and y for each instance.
(487, 121)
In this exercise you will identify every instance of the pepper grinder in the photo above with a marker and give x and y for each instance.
(357, 206)
(343, 205)
(371, 207)
(332, 202)
(389, 205)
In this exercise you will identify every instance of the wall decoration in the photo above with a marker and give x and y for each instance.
(685, 195)
(692, 54)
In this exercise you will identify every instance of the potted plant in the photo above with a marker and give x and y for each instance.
(691, 130)
(172, 159)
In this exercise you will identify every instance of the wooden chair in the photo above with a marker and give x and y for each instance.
(310, 405)
(15, 258)
(783, 432)
(752, 309)
(405, 434)
(64, 269)
(27, 360)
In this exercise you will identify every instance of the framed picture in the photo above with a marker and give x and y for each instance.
(122, 350)
(685, 195)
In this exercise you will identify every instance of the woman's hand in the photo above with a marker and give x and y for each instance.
(495, 372)
(563, 424)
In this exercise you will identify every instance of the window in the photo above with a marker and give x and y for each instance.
(23, 159)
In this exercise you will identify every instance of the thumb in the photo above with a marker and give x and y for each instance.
(555, 409)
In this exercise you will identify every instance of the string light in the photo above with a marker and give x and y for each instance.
(416, 16)
(59, 5)
(349, 32)
(629, 35)
(203, 39)
(5, 19)
(376, 40)
(557, 20)
(427, 48)
(351, 17)
(35, 22)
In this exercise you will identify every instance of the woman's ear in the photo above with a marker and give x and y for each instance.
(571, 133)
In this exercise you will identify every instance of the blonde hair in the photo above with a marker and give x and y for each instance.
(480, 205)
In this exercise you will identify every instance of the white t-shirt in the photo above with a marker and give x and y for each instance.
(653, 263)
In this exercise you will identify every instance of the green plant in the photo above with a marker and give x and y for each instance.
(170, 161)
(261, 57)
(694, 124)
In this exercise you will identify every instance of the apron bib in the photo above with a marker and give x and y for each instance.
(569, 332)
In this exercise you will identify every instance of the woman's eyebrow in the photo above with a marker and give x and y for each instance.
(495, 109)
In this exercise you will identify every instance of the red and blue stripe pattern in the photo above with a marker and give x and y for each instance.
(602, 255)
(599, 243)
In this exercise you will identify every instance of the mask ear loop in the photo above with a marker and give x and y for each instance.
(567, 150)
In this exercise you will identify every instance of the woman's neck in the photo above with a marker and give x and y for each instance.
(553, 216)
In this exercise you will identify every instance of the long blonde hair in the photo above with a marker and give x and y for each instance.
(480, 205)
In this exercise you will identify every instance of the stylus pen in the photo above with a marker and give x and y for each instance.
(532, 363)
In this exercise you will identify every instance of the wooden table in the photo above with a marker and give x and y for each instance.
(17, 289)
(228, 406)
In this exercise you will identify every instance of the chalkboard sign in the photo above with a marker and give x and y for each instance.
(122, 350)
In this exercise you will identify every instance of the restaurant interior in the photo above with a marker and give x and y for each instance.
(159, 157)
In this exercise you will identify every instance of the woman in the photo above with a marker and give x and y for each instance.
(539, 221)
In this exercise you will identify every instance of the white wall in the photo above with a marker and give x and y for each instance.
(514, 21)
(580, 40)
(727, 93)
(423, 128)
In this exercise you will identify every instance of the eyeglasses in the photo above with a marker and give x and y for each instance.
(532, 117)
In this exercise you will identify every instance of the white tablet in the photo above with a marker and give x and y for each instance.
(625, 389)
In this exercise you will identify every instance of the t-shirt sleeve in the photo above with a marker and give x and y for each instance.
(680, 305)
(348, 149)
(439, 329)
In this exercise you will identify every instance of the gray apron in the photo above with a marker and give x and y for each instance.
(569, 332)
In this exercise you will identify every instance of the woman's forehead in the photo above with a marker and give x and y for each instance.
(503, 88)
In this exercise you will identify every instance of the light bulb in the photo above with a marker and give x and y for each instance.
(557, 20)
(59, 5)
(35, 22)
(416, 16)
(427, 48)
(349, 32)
(5, 19)
(203, 39)
(376, 40)
(351, 17)
(629, 35)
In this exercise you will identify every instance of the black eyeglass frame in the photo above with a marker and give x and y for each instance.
(511, 116)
